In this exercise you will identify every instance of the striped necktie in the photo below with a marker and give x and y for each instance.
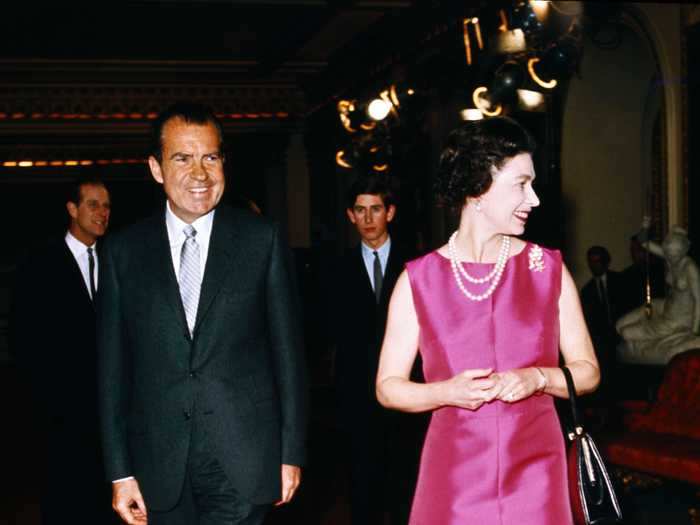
(190, 279)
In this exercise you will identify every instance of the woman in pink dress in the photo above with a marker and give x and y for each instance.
(489, 314)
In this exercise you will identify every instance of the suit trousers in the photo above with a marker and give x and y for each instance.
(208, 497)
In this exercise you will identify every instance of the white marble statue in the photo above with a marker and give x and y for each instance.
(674, 325)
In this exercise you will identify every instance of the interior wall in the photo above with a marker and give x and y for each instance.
(601, 166)
(662, 24)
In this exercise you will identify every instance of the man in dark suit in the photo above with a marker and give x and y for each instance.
(362, 286)
(634, 277)
(602, 300)
(202, 378)
(53, 335)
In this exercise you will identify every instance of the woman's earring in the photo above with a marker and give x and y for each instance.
(478, 205)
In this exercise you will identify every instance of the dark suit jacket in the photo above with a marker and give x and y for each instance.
(53, 336)
(358, 329)
(241, 375)
(601, 329)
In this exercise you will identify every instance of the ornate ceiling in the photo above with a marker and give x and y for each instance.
(84, 79)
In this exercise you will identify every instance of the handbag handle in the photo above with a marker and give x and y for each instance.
(575, 416)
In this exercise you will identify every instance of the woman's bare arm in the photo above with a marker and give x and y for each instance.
(469, 389)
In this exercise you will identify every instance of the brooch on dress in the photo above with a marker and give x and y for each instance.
(536, 259)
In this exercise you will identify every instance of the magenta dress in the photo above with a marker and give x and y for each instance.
(503, 464)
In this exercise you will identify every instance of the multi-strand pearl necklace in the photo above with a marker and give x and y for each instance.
(494, 276)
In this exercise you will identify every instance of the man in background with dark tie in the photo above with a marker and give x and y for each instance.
(358, 292)
(53, 335)
(601, 299)
(202, 375)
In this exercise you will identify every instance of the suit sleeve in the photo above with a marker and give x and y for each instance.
(113, 380)
(283, 321)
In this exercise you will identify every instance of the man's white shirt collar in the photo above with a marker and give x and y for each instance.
(176, 227)
(382, 251)
(77, 248)
(176, 236)
(368, 258)
(79, 252)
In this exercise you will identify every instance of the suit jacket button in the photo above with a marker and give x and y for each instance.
(188, 415)
(193, 374)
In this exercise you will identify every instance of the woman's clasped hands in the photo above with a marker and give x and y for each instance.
(472, 388)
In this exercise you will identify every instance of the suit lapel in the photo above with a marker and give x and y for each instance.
(361, 270)
(157, 249)
(74, 270)
(394, 266)
(220, 260)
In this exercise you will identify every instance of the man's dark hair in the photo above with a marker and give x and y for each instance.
(74, 193)
(470, 154)
(190, 112)
(370, 185)
(599, 251)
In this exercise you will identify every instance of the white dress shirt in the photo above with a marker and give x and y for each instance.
(80, 254)
(368, 258)
(176, 237)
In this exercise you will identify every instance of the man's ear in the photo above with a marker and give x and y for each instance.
(351, 215)
(390, 212)
(156, 172)
(72, 210)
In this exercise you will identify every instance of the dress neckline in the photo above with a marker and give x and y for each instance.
(525, 248)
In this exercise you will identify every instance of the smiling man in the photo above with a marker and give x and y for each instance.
(53, 334)
(202, 383)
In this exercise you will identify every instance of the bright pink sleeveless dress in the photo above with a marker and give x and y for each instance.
(503, 464)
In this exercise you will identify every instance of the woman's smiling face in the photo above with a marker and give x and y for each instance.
(510, 198)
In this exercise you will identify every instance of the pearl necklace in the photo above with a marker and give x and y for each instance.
(495, 274)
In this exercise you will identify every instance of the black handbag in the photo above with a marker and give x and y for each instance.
(593, 499)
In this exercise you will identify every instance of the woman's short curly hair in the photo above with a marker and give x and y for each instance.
(471, 153)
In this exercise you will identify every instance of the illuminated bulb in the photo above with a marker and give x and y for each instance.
(540, 7)
(471, 114)
(509, 42)
(530, 100)
(378, 109)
